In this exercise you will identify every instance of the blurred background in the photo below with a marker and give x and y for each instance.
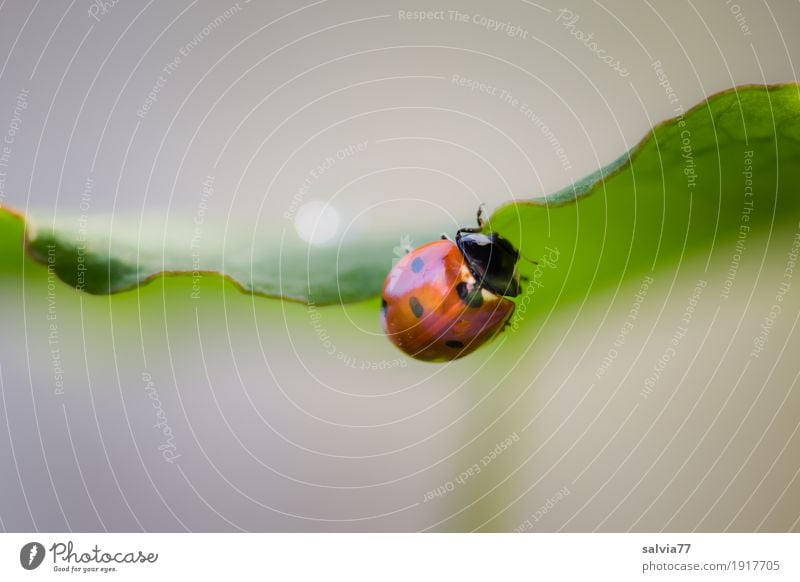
(150, 412)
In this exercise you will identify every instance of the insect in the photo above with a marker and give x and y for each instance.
(447, 298)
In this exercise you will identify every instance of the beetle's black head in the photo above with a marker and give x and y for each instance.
(492, 260)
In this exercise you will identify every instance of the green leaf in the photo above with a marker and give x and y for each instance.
(11, 226)
(680, 190)
(273, 263)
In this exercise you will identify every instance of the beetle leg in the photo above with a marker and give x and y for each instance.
(481, 212)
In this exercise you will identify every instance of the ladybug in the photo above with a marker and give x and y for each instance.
(447, 298)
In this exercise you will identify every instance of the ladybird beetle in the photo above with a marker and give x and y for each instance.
(447, 298)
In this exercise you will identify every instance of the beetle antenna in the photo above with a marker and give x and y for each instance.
(527, 259)
(474, 229)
